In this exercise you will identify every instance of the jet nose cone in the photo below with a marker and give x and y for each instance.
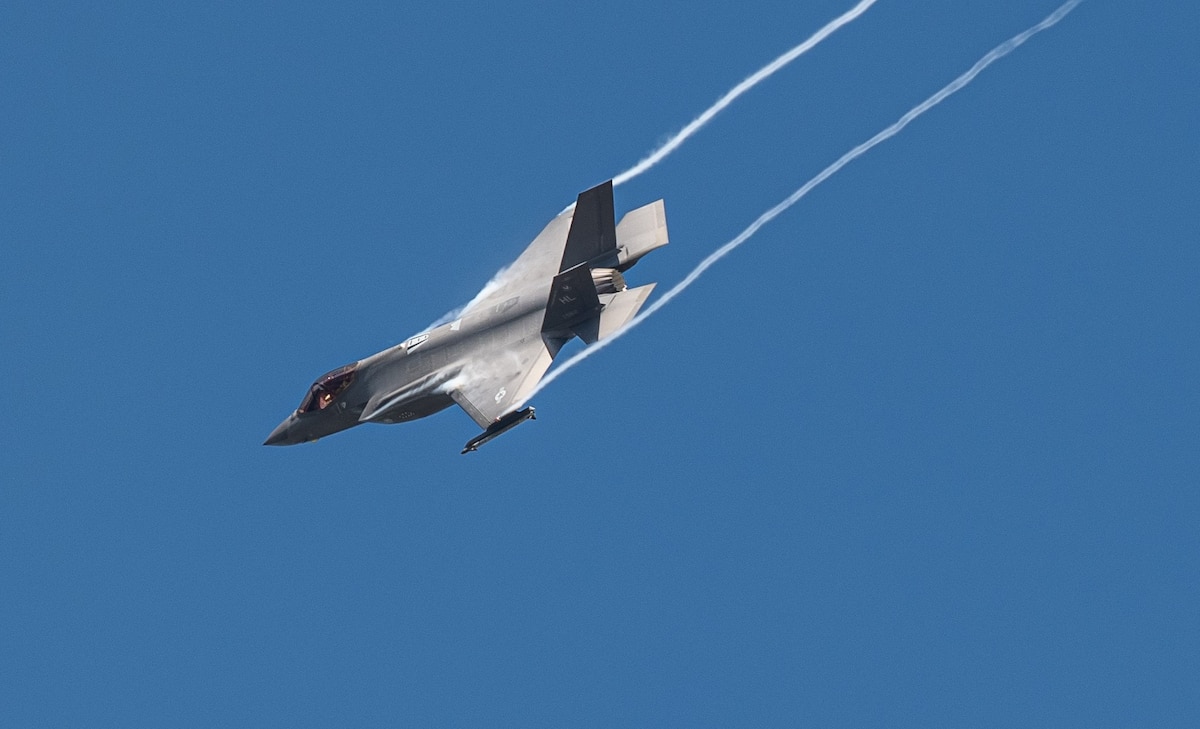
(279, 436)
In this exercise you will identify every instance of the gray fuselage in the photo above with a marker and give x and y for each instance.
(407, 381)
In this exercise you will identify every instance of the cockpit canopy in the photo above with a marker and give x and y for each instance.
(326, 389)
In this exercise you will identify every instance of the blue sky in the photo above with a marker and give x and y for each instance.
(923, 452)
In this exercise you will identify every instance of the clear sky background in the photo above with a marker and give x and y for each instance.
(924, 452)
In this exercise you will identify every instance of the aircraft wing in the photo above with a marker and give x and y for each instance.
(583, 232)
(566, 258)
(500, 382)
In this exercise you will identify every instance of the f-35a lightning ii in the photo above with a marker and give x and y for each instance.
(568, 283)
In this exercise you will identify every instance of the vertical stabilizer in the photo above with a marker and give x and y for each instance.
(593, 235)
(623, 307)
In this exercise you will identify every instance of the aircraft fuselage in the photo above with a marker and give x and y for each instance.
(568, 282)
(409, 381)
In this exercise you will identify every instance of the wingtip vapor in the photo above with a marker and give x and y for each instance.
(569, 282)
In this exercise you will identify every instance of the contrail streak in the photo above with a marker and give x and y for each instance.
(493, 283)
(694, 126)
(760, 75)
(992, 56)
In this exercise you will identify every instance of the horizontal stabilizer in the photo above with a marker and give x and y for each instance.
(623, 307)
(639, 232)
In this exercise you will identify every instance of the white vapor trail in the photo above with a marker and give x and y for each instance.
(760, 75)
(493, 283)
(694, 126)
(991, 57)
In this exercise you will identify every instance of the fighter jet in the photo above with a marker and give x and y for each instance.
(568, 283)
